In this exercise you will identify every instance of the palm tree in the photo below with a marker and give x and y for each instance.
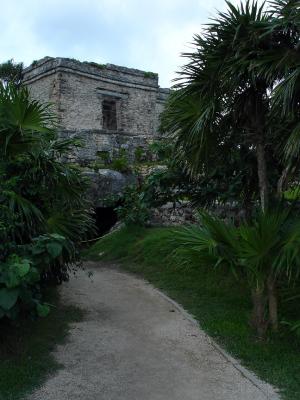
(228, 90)
(24, 123)
(262, 252)
(241, 86)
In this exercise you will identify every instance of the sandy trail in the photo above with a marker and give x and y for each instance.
(135, 344)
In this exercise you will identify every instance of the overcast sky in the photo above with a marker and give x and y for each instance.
(143, 34)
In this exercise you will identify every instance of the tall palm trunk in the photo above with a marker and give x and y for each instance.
(262, 175)
(263, 188)
(273, 302)
(258, 321)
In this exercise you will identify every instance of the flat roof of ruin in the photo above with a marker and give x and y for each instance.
(42, 66)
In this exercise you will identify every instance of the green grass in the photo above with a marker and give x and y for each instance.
(25, 349)
(219, 302)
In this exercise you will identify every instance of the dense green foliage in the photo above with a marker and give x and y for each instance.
(235, 109)
(168, 181)
(118, 162)
(236, 103)
(11, 72)
(264, 252)
(134, 209)
(216, 298)
(164, 182)
(43, 210)
(233, 117)
(121, 162)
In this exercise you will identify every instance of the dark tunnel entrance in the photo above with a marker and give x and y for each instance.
(105, 218)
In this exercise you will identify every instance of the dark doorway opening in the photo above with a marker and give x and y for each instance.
(105, 218)
(109, 113)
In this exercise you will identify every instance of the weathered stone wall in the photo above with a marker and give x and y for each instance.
(173, 214)
(96, 141)
(47, 90)
(182, 213)
(78, 91)
(106, 183)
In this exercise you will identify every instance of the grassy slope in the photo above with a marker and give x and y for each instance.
(220, 303)
(25, 350)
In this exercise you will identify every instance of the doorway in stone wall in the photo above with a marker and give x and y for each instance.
(109, 114)
(105, 219)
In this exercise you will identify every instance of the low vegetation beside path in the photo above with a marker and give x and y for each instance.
(218, 301)
(26, 358)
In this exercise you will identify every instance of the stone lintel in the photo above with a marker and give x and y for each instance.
(111, 93)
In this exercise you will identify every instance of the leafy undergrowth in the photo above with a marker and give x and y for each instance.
(217, 300)
(25, 349)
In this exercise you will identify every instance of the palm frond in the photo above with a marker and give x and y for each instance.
(23, 122)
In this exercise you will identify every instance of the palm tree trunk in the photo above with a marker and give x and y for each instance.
(273, 303)
(258, 320)
(281, 181)
(262, 175)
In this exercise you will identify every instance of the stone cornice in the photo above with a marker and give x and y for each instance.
(86, 132)
(109, 73)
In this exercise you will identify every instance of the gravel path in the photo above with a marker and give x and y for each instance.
(136, 344)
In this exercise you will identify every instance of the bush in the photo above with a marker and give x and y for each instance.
(162, 149)
(44, 213)
(121, 163)
(264, 252)
(104, 156)
(134, 209)
(20, 275)
(151, 75)
(139, 154)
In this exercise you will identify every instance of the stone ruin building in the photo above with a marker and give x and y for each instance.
(109, 107)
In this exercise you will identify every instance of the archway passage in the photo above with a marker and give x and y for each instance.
(105, 218)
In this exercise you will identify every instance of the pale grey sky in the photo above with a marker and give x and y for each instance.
(148, 35)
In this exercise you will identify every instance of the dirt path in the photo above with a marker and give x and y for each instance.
(135, 344)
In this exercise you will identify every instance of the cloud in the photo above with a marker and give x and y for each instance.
(135, 33)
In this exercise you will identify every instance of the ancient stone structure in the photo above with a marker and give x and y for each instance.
(108, 106)
(106, 183)
(172, 214)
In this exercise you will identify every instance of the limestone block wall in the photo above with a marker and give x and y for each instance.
(183, 213)
(160, 105)
(47, 90)
(173, 214)
(78, 91)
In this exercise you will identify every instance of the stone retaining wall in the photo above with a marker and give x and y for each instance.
(182, 213)
(172, 214)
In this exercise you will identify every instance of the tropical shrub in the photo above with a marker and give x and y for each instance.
(19, 280)
(20, 275)
(264, 252)
(232, 181)
(44, 213)
(134, 209)
(121, 162)
(139, 154)
(104, 156)
(162, 149)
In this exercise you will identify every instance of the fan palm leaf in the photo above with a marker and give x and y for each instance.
(23, 121)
